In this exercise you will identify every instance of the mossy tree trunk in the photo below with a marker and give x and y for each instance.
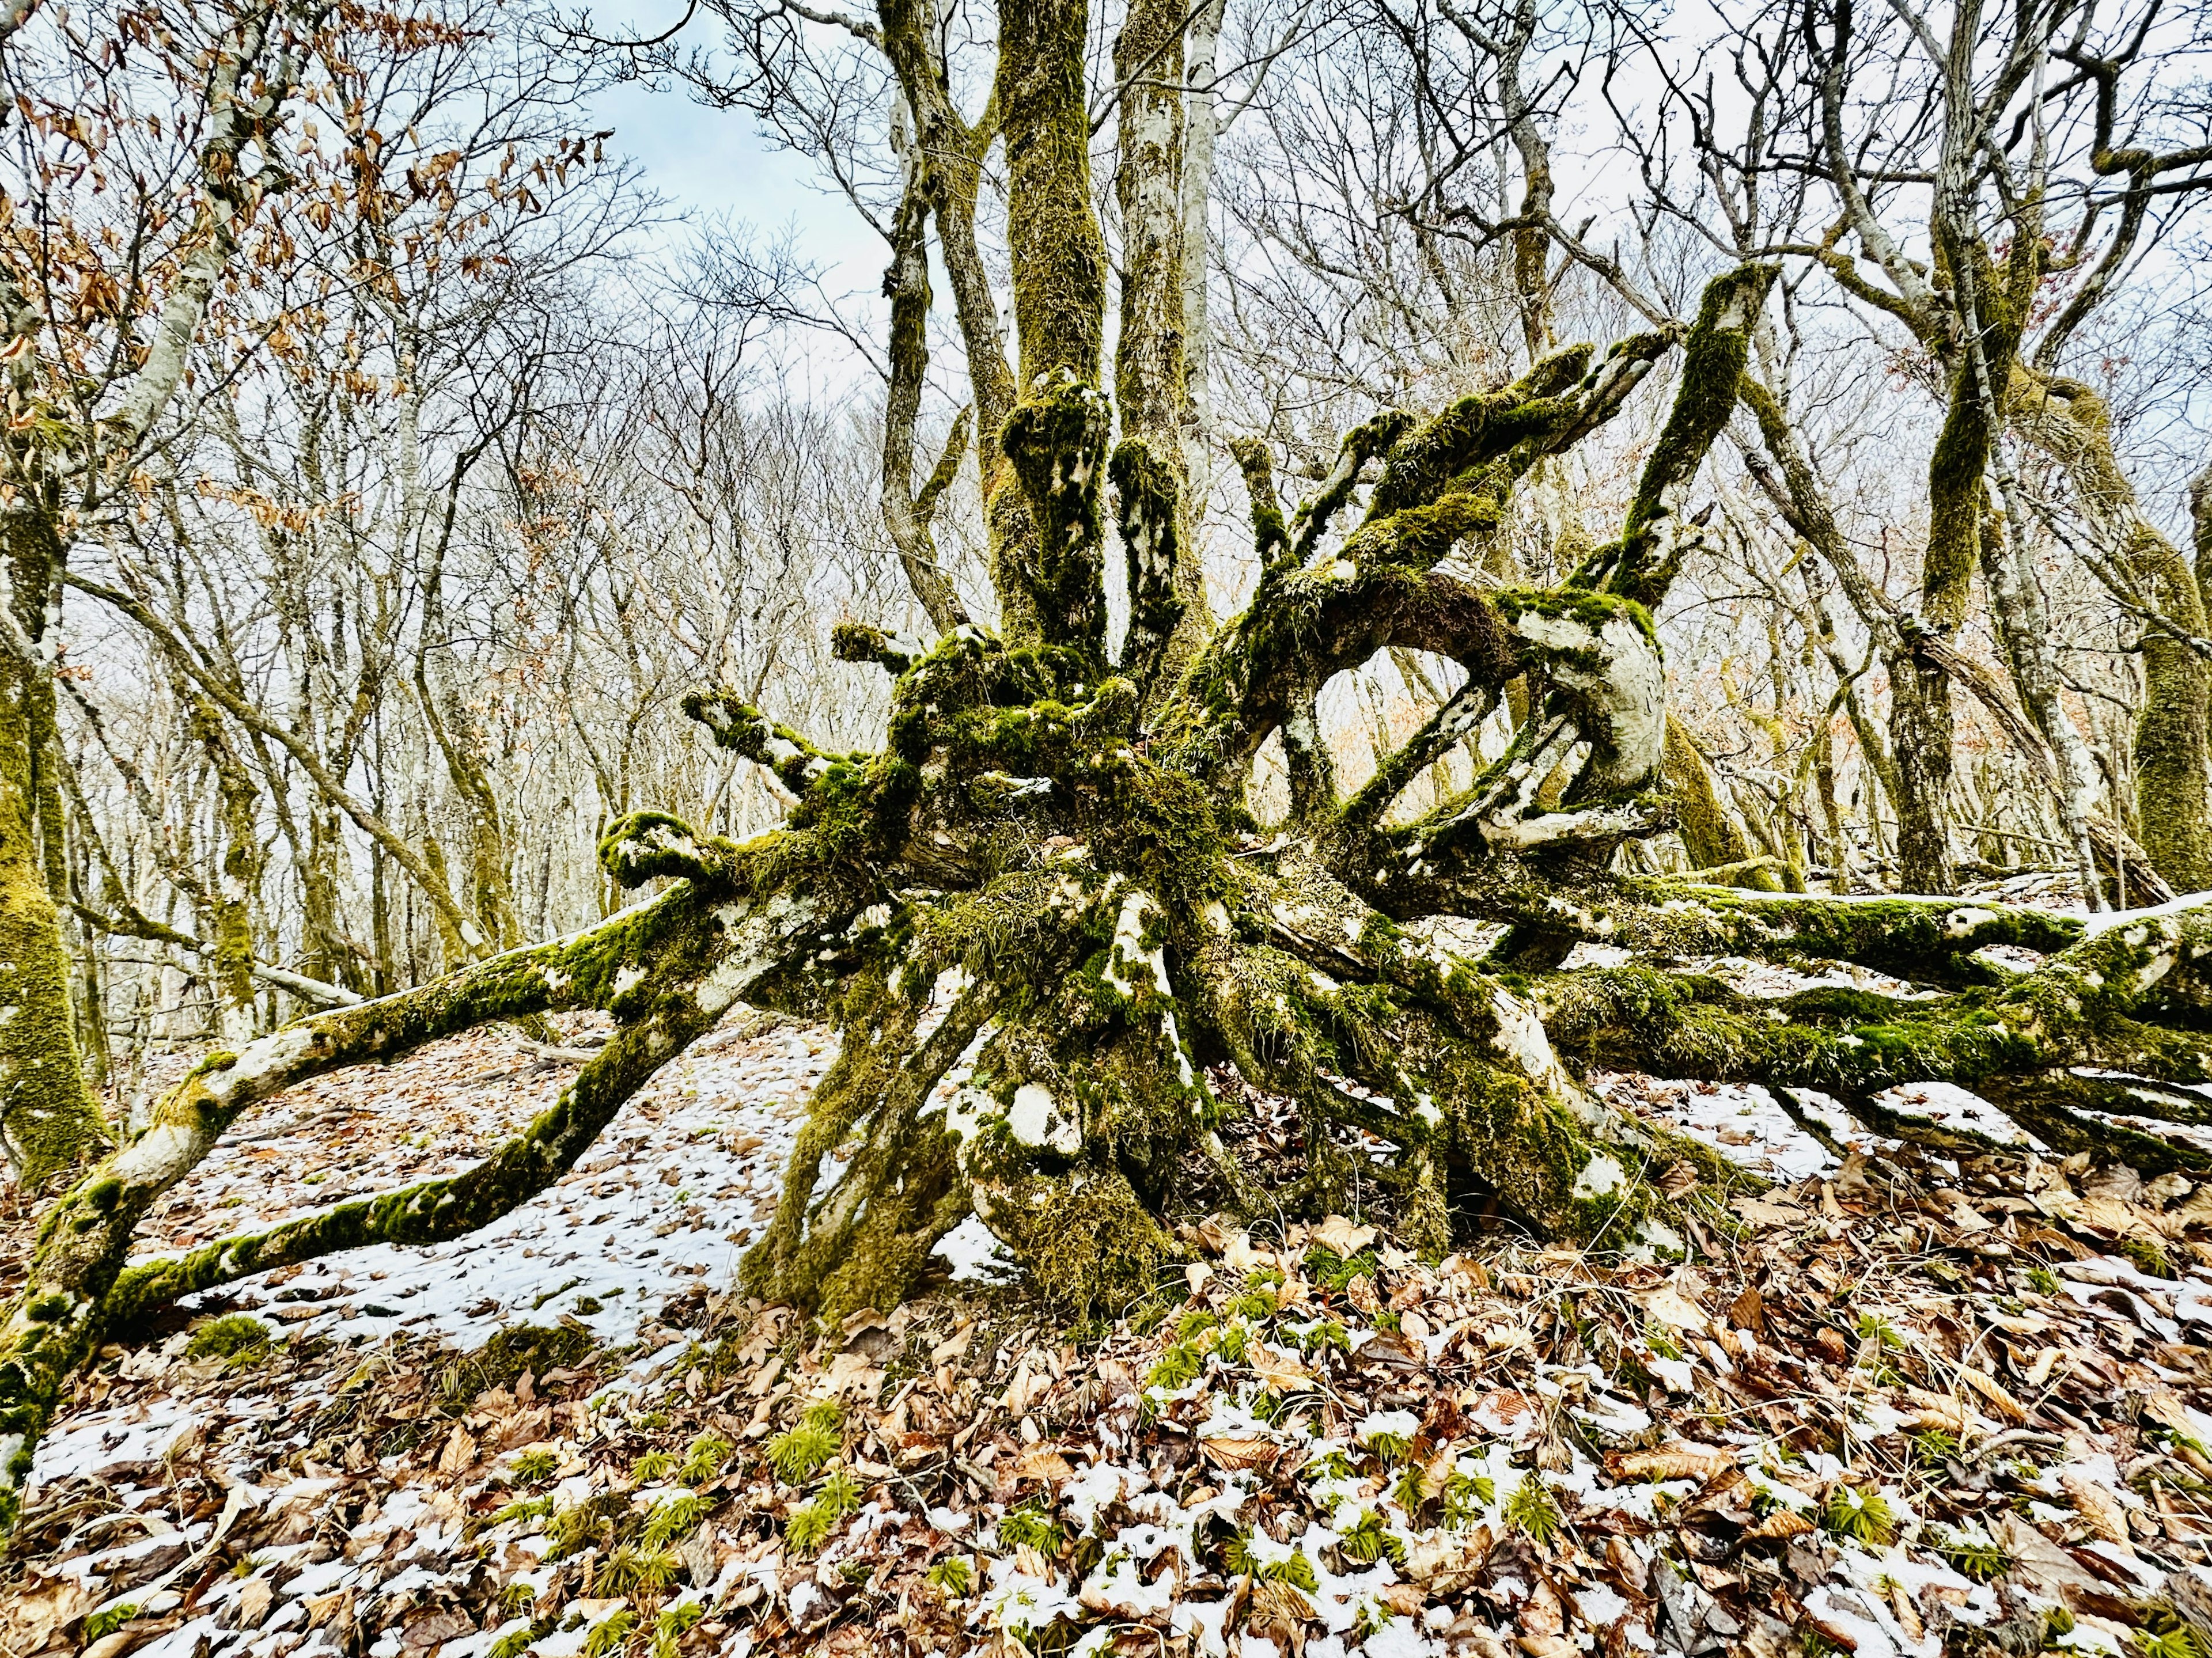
(48, 1119)
(2068, 419)
(229, 918)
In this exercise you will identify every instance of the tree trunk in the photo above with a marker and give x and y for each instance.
(2173, 766)
(1169, 617)
(47, 1115)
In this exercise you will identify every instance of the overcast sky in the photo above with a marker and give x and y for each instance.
(714, 164)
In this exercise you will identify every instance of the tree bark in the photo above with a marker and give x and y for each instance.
(47, 1115)
(2069, 421)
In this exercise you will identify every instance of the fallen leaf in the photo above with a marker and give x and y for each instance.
(1342, 1237)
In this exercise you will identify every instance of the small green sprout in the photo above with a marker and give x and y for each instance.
(809, 1528)
(107, 1620)
(2148, 1256)
(1411, 1488)
(534, 1467)
(609, 1634)
(1254, 1304)
(703, 1459)
(1466, 1497)
(672, 1520)
(1880, 1332)
(1975, 1558)
(1033, 1524)
(673, 1624)
(1368, 1540)
(1178, 1366)
(653, 1466)
(1293, 1568)
(530, 1508)
(1933, 1448)
(1390, 1446)
(952, 1576)
(1864, 1515)
(804, 1447)
(1533, 1512)
(647, 1570)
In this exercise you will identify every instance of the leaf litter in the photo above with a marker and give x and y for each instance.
(1898, 1403)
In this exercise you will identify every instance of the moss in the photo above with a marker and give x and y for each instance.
(108, 1619)
(1056, 440)
(235, 1337)
(1271, 536)
(1091, 1247)
(533, 1349)
(1060, 259)
(1425, 464)
(1642, 565)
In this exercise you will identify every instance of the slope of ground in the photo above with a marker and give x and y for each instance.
(1897, 1405)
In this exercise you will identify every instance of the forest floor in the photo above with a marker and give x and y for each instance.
(1898, 1404)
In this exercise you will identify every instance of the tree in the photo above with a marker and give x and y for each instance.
(1049, 869)
(83, 411)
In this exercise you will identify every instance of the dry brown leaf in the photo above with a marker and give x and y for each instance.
(1504, 1413)
(461, 1451)
(1279, 1368)
(1748, 1311)
(1933, 1411)
(1988, 1387)
(1234, 1454)
(1667, 1305)
(1679, 1460)
(2096, 1505)
(854, 1373)
(1278, 1609)
(1404, 1599)
(116, 1642)
(32, 1618)
(1342, 1237)
(1039, 1463)
(252, 1602)
(1238, 1255)
(1764, 1211)
(1783, 1522)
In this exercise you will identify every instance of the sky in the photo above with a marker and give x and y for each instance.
(713, 165)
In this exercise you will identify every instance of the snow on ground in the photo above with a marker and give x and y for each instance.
(671, 1195)
(659, 1211)
(1745, 1124)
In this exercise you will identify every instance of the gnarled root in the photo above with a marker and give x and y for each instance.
(666, 969)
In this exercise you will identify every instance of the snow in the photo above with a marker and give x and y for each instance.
(975, 1251)
(667, 1200)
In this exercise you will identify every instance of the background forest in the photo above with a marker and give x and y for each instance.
(481, 459)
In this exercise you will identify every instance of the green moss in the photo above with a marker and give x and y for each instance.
(1148, 497)
(802, 1448)
(1091, 1245)
(108, 1619)
(809, 1527)
(508, 1355)
(235, 1337)
(1056, 440)
(1271, 537)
